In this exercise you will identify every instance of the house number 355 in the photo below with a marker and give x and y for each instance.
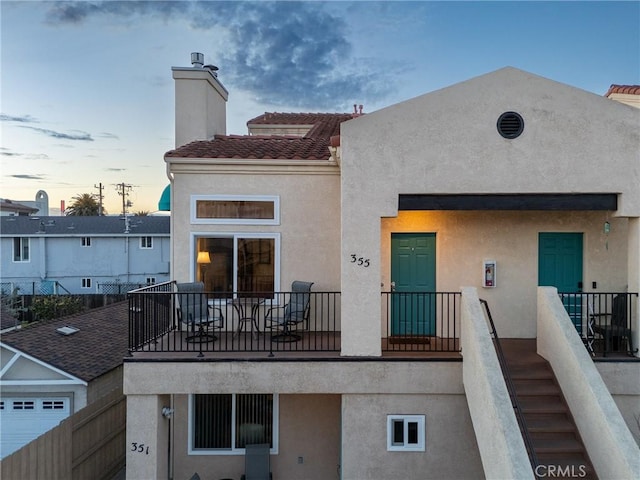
(360, 261)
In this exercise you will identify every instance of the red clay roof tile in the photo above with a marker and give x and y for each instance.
(313, 146)
(628, 89)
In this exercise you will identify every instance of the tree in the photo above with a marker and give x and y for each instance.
(141, 213)
(84, 205)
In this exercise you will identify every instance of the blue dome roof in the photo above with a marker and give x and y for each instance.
(164, 204)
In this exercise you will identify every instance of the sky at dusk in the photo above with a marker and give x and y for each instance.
(87, 94)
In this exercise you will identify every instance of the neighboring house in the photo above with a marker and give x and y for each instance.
(508, 187)
(75, 254)
(11, 208)
(53, 368)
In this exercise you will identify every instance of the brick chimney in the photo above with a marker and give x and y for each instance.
(201, 102)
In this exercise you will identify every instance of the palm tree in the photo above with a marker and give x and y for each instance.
(141, 213)
(84, 205)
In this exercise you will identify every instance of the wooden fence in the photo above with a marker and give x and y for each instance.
(90, 444)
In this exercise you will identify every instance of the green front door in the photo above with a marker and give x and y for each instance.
(413, 273)
(560, 266)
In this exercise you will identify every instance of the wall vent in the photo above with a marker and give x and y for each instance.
(510, 125)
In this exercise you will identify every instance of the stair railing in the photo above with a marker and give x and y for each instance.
(522, 423)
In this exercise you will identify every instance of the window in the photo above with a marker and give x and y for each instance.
(86, 241)
(236, 209)
(146, 242)
(24, 405)
(53, 404)
(225, 423)
(86, 283)
(243, 263)
(21, 249)
(151, 280)
(406, 433)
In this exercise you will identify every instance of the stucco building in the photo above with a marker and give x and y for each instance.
(507, 187)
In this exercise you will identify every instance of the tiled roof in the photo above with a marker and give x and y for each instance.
(97, 348)
(625, 89)
(313, 146)
(79, 225)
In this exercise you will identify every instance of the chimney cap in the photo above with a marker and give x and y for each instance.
(197, 59)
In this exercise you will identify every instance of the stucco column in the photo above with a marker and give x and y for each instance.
(147, 437)
(360, 284)
(634, 277)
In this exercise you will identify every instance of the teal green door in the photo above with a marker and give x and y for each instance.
(560, 266)
(413, 273)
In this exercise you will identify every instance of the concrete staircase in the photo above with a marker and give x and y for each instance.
(555, 438)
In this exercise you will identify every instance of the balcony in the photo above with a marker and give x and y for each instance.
(413, 324)
(603, 321)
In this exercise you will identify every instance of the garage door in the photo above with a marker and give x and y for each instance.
(23, 419)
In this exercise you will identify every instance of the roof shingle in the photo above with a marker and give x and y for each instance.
(97, 348)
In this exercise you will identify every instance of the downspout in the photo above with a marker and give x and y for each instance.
(171, 178)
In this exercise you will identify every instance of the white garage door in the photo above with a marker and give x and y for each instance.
(23, 419)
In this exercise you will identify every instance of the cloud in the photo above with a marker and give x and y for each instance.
(83, 136)
(108, 135)
(115, 169)
(28, 177)
(296, 54)
(27, 156)
(21, 119)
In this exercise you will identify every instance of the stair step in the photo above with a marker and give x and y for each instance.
(548, 422)
(541, 404)
(538, 386)
(556, 442)
(524, 372)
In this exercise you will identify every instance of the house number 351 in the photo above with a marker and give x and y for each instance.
(139, 448)
(360, 261)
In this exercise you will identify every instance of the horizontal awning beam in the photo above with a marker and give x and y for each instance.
(532, 201)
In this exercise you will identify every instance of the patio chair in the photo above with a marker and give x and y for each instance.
(618, 330)
(257, 462)
(194, 310)
(285, 319)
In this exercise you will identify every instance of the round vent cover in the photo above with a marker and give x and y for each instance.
(510, 125)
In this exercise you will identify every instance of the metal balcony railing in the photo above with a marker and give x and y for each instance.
(603, 320)
(421, 321)
(234, 322)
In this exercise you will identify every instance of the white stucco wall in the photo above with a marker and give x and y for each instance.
(309, 228)
(465, 238)
(446, 142)
(451, 450)
(200, 105)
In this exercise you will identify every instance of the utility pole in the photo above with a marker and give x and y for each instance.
(123, 190)
(100, 187)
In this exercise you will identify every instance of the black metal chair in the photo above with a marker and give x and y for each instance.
(618, 330)
(194, 310)
(286, 319)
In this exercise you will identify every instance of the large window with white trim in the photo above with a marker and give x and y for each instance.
(236, 209)
(244, 263)
(226, 423)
